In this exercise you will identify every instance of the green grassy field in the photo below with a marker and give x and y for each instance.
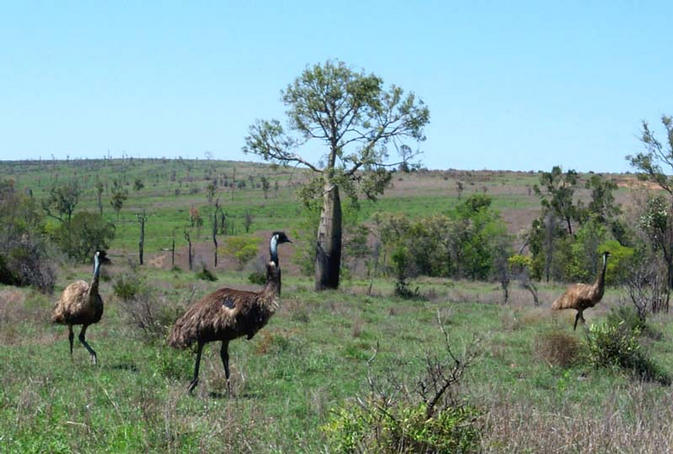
(312, 357)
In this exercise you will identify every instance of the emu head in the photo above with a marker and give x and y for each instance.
(276, 239)
(102, 257)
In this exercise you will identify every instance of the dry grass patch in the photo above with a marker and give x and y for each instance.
(558, 348)
(646, 425)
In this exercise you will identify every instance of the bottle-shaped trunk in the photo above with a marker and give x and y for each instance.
(328, 244)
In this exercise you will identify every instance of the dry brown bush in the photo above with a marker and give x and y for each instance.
(558, 348)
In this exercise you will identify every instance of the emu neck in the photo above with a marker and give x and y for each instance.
(600, 280)
(273, 249)
(96, 273)
(272, 286)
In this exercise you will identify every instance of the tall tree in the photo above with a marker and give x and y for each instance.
(358, 121)
(99, 196)
(649, 164)
(556, 192)
(62, 200)
(214, 231)
(119, 196)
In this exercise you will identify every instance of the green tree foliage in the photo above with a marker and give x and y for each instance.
(461, 243)
(99, 196)
(86, 233)
(62, 200)
(556, 191)
(620, 265)
(24, 251)
(358, 121)
(138, 184)
(265, 186)
(564, 239)
(655, 164)
(119, 196)
(657, 224)
(649, 163)
(243, 248)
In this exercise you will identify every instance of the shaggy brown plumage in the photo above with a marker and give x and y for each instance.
(81, 304)
(227, 314)
(583, 296)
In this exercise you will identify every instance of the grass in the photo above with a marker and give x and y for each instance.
(309, 360)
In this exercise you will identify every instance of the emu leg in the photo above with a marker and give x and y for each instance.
(71, 336)
(82, 339)
(224, 354)
(579, 316)
(195, 380)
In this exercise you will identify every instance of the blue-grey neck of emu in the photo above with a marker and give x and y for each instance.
(96, 266)
(273, 249)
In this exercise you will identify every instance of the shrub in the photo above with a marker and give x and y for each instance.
(242, 247)
(629, 318)
(402, 429)
(257, 277)
(206, 275)
(83, 235)
(616, 345)
(25, 258)
(150, 314)
(127, 286)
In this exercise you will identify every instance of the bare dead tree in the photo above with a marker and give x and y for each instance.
(214, 231)
(442, 375)
(188, 237)
(647, 287)
(142, 218)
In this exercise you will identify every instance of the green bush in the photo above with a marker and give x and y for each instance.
(243, 248)
(206, 275)
(402, 428)
(628, 316)
(613, 344)
(83, 235)
(257, 277)
(127, 286)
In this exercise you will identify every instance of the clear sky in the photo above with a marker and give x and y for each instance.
(510, 85)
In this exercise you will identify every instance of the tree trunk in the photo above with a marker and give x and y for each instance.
(215, 235)
(141, 242)
(328, 244)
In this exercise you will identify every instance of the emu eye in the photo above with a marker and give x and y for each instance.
(228, 302)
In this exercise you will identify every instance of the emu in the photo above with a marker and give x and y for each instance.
(81, 304)
(227, 314)
(583, 296)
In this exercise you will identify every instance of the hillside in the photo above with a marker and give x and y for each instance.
(171, 188)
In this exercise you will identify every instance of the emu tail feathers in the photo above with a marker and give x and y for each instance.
(561, 303)
(180, 337)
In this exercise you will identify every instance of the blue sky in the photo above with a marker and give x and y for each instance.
(510, 85)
